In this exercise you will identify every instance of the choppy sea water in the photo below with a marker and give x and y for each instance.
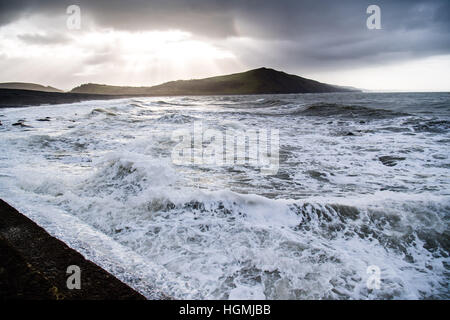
(363, 180)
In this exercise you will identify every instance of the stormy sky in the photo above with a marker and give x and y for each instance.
(140, 42)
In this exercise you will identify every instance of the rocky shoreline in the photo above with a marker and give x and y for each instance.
(13, 98)
(33, 265)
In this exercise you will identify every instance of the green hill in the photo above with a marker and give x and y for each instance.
(257, 81)
(27, 86)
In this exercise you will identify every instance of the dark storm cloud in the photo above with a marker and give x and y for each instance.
(211, 18)
(303, 33)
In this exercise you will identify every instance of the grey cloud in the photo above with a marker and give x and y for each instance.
(313, 33)
(209, 18)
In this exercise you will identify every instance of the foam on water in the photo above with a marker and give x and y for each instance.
(99, 176)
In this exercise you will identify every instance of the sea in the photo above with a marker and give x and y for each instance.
(356, 204)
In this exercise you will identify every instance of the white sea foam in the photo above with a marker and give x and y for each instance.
(104, 183)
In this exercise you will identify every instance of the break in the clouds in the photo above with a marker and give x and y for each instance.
(145, 42)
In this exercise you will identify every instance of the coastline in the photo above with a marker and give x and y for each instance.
(15, 98)
(33, 265)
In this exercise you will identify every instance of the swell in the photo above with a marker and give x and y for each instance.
(286, 108)
(345, 111)
(223, 243)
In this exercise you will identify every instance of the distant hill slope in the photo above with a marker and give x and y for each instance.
(257, 81)
(27, 86)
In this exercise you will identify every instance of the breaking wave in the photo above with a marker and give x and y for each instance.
(231, 245)
(176, 118)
